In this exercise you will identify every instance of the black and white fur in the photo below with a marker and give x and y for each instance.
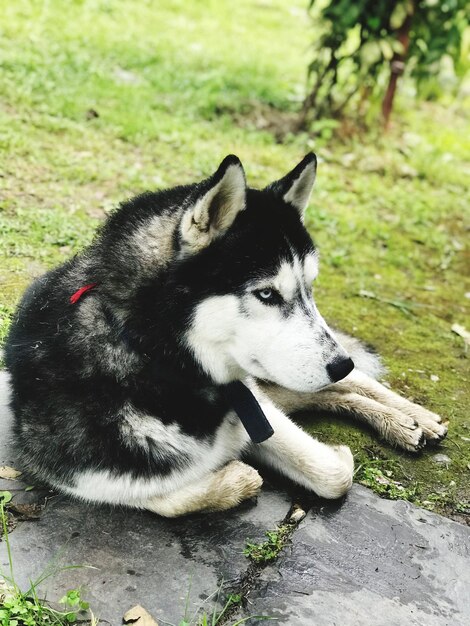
(118, 397)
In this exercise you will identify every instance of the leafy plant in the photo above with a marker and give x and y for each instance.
(217, 618)
(382, 482)
(268, 550)
(365, 45)
(27, 609)
(5, 496)
(74, 600)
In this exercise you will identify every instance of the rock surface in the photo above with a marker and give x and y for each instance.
(359, 562)
(370, 561)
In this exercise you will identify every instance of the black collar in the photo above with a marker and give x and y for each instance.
(247, 408)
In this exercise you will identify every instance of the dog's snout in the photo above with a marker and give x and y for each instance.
(339, 369)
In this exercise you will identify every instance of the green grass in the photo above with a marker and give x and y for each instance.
(178, 85)
(26, 608)
(269, 550)
(219, 617)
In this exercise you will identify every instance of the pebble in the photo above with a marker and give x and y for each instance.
(442, 459)
(434, 378)
(297, 514)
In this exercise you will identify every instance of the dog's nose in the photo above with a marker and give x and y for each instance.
(339, 369)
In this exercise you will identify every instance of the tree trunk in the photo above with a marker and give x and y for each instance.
(397, 66)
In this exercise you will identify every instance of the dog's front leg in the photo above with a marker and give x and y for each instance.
(397, 420)
(431, 424)
(326, 470)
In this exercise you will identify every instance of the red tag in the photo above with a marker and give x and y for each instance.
(78, 294)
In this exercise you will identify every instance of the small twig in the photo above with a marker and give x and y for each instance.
(404, 307)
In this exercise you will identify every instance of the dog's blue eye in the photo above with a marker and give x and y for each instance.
(268, 296)
(265, 294)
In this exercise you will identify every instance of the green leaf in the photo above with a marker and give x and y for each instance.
(373, 22)
(397, 46)
(386, 48)
(5, 496)
(398, 16)
(73, 597)
(370, 53)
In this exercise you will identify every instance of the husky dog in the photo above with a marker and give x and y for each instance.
(121, 357)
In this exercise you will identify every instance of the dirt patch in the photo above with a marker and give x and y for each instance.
(259, 116)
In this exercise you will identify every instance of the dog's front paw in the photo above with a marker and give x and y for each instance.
(402, 430)
(236, 482)
(434, 430)
(334, 475)
(411, 427)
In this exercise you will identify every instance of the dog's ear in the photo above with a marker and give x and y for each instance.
(296, 187)
(213, 213)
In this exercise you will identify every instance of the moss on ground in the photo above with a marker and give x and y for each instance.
(268, 550)
(95, 108)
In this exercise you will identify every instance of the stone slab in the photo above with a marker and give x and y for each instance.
(370, 562)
